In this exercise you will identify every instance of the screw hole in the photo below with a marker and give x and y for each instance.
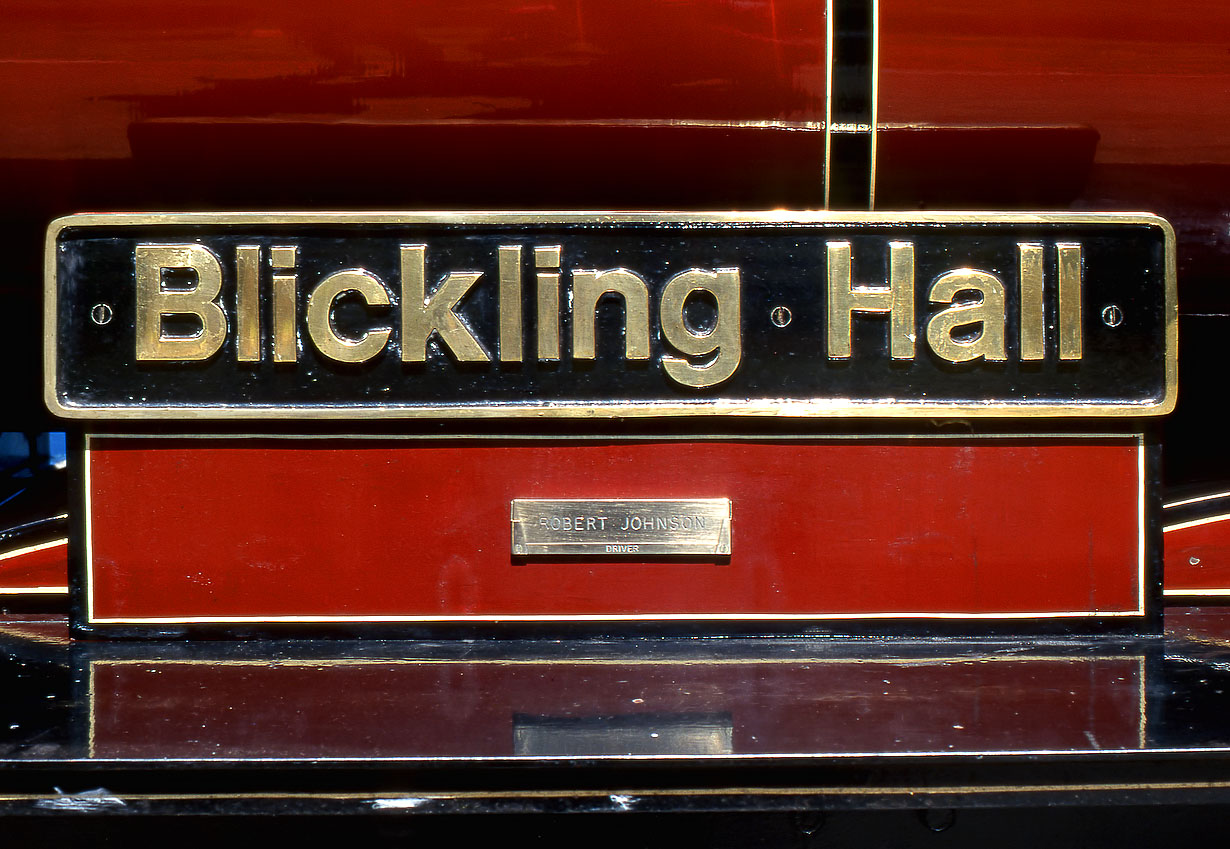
(101, 314)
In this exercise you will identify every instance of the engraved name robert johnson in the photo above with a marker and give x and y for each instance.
(338, 315)
(648, 523)
(620, 526)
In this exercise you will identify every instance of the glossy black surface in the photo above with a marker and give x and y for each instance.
(415, 727)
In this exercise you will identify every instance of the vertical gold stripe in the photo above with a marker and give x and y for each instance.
(1141, 539)
(285, 342)
(89, 532)
(828, 96)
(91, 746)
(1142, 712)
(1071, 318)
(1033, 319)
(875, 98)
(247, 303)
(510, 303)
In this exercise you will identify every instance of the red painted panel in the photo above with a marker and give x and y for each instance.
(40, 568)
(474, 709)
(1198, 558)
(212, 527)
(1150, 78)
(75, 75)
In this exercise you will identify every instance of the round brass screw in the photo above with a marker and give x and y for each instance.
(101, 314)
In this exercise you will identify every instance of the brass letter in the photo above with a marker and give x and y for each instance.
(989, 312)
(587, 288)
(247, 304)
(153, 302)
(897, 300)
(1033, 318)
(1071, 322)
(726, 337)
(510, 303)
(320, 325)
(422, 316)
(285, 294)
(548, 301)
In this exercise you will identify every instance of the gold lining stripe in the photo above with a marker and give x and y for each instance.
(851, 129)
(89, 529)
(30, 549)
(532, 123)
(875, 98)
(1196, 500)
(600, 617)
(651, 793)
(1140, 526)
(753, 660)
(828, 97)
(1207, 520)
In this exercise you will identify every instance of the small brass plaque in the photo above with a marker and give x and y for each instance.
(621, 528)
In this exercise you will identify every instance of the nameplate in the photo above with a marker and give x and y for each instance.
(583, 315)
(619, 528)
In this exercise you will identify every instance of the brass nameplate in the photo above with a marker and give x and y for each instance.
(615, 315)
(621, 528)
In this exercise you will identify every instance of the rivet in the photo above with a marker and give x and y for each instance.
(101, 314)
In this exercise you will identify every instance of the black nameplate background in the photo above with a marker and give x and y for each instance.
(1125, 369)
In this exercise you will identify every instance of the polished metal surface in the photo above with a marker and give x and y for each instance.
(621, 528)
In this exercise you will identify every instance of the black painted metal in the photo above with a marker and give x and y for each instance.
(852, 109)
(1181, 758)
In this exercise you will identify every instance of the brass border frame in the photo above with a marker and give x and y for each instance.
(875, 99)
(828, 98)
(800, 408)
(379, 619)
